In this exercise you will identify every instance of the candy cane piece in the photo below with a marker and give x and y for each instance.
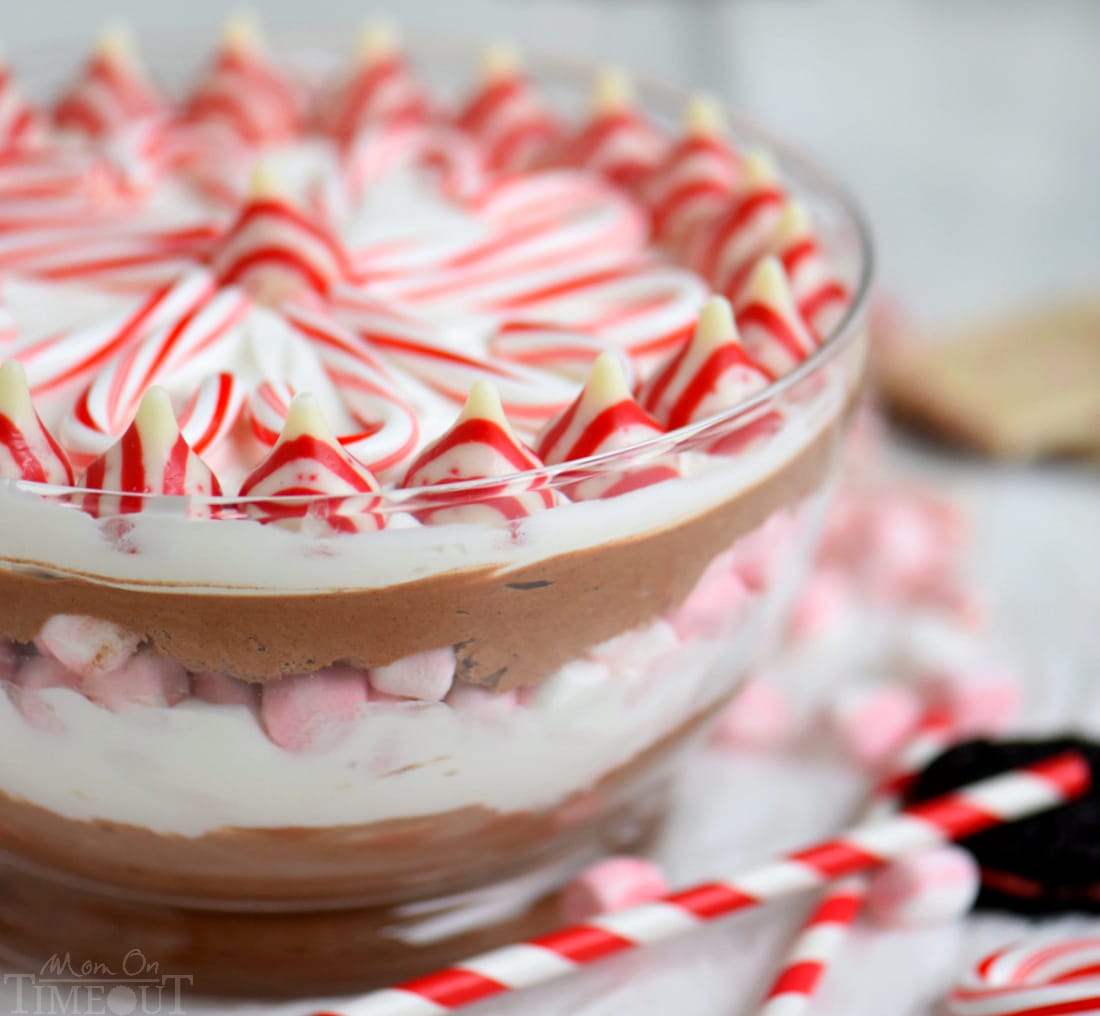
(1040, 979)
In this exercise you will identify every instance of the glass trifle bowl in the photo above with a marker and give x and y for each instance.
(376, 538)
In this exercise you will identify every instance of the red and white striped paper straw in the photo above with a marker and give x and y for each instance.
(826, 928)
(1005, 798)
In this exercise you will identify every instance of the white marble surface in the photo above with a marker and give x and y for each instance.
(972, 133)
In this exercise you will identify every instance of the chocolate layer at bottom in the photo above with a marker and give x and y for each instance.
(296, 912)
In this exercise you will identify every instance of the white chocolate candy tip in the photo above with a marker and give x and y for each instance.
(606, 381)
(612, 91)
(794, 221)
(15, 397)
(115, 43)
(768, 283)
(759, 167)
(500, 61)
(305, 416)
(264, 183)
(241, 32)
(155, 418)
(715, 324)
(377, 40)
(703, 116)
(483, 403)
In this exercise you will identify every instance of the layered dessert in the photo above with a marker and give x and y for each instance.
(393, 479)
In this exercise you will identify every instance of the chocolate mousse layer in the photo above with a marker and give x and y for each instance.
(510, 629)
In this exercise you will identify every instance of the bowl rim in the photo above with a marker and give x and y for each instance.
(806, 169)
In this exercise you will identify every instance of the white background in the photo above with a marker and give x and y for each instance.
(971, 131)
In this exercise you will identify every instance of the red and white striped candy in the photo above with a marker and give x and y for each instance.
(275, 251)
(771, 327)
(506, 116)
(696, 178)
(389, 426)
(107, 404)
(528, 395)
(725, 245)
(244, 92)
(67, 357)
(480, 445)
(213, 411)
(112, 92)
(27, 450)
(1039, 979)
(20, 124)
(308, 474)
(821, 297)
(603, 418)
(710, 373)
(618, 141)
(151, 457)
(964, 812)
(380, 89)
(382, 148)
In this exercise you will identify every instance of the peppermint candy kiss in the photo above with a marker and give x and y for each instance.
(821, 297)
(275, 251)
(726, 245)
(314, 474)
(618, 141)
(506, 116)
(112, 92)
(19, 122)
(696, 179)
(244, 93)
(710, 374)
(478, 446)
(604, 418)
(151, 457)
(771, 327)
(27, 450)
(380, 89)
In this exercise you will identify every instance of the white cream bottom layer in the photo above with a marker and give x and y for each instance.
(200, 767)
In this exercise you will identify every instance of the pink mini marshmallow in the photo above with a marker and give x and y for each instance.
(634, 652)
(482, 704)
(924, 889)
(873, 722)
(313, 712)
(983, 700)
(713, 609)
(39, 674)
(612, 884)
(825, 598)
(759, 717)
(223, 690)
(86, 645)
(425, 676)
(144, 680)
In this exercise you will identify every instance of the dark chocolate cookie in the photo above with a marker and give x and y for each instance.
(1046, 864)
